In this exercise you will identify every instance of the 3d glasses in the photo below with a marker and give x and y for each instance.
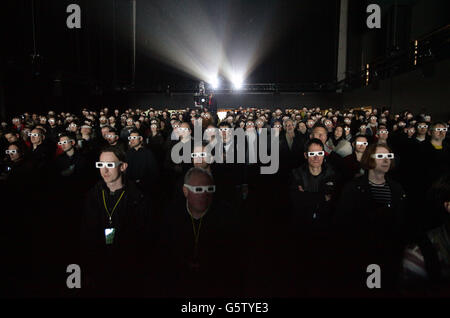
(198, 155)
(65, 142)
(201, 189)
(316, 153)
(383, 156)
(109, 164)
(133, 137)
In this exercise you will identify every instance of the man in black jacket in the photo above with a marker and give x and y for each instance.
(142, 165)
(115, 234)
(200, 242)
(71, 163)
(312, 188)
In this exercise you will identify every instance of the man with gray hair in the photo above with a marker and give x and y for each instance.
(199, 239)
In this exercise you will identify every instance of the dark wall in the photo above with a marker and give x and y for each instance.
(412, 90)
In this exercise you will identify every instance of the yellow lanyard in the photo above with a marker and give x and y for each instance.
(106, 208)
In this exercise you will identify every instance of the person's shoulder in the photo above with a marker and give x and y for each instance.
(396, 186)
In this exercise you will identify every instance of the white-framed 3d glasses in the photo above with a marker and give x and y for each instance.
(199, 155)
(381, 132)
(316, 153)
(440, 129)
(276, 126)
(183, 129)
(362, 143)
(33, 135)
(65, 142)
(134, 137)
(201, 189)
(11, 152)
(111, 136)
(107, 164)
(225, 129)
(422, 126)
(383, 156)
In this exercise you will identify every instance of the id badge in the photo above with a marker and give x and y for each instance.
(109, 235)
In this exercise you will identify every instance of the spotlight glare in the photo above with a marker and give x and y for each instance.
(215, 83)
(237, 82)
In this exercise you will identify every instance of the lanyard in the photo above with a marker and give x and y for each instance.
(106, 208)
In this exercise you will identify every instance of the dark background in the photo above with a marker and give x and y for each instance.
(92, 66)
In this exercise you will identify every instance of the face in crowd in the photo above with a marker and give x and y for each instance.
(302, 127)
(200, 158)
(135, 140)
(382, 165)
(112, 138)
(438, 132)
(289, 125)
(383, 133)
(105, 132)
(14, 153)
(37, 137)
(338, 132)
(198, 201)
(111, 175)
(315, 155)
(422, 128)
(360, 144)
(319, 133)
(10, 137)
(184, 130)
(86, 130)
(66, 143)
(250, 126)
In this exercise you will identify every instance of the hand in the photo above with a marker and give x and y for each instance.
(327, 197)
(300, 188)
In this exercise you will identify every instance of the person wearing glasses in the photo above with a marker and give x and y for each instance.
(198, 243)
(113, 140)
(433, 157)
(115, 231)
(370, 222)
(422, 129)
(14, 163)
(312, 188)
(353, 161)
(70, 163)
(142, 165)
(41, 151)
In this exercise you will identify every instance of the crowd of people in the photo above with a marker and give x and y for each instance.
(101, 189)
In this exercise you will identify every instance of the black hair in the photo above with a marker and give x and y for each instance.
(119, 153)
(69, 135)
(314, 141)
(224, 123)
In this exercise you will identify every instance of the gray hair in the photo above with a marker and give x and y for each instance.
(196, 170)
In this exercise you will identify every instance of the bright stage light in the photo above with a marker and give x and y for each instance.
(215, 83)
(237, 82)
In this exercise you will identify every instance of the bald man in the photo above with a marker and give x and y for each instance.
(200, 242)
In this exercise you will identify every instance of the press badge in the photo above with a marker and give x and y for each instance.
(109, 235)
